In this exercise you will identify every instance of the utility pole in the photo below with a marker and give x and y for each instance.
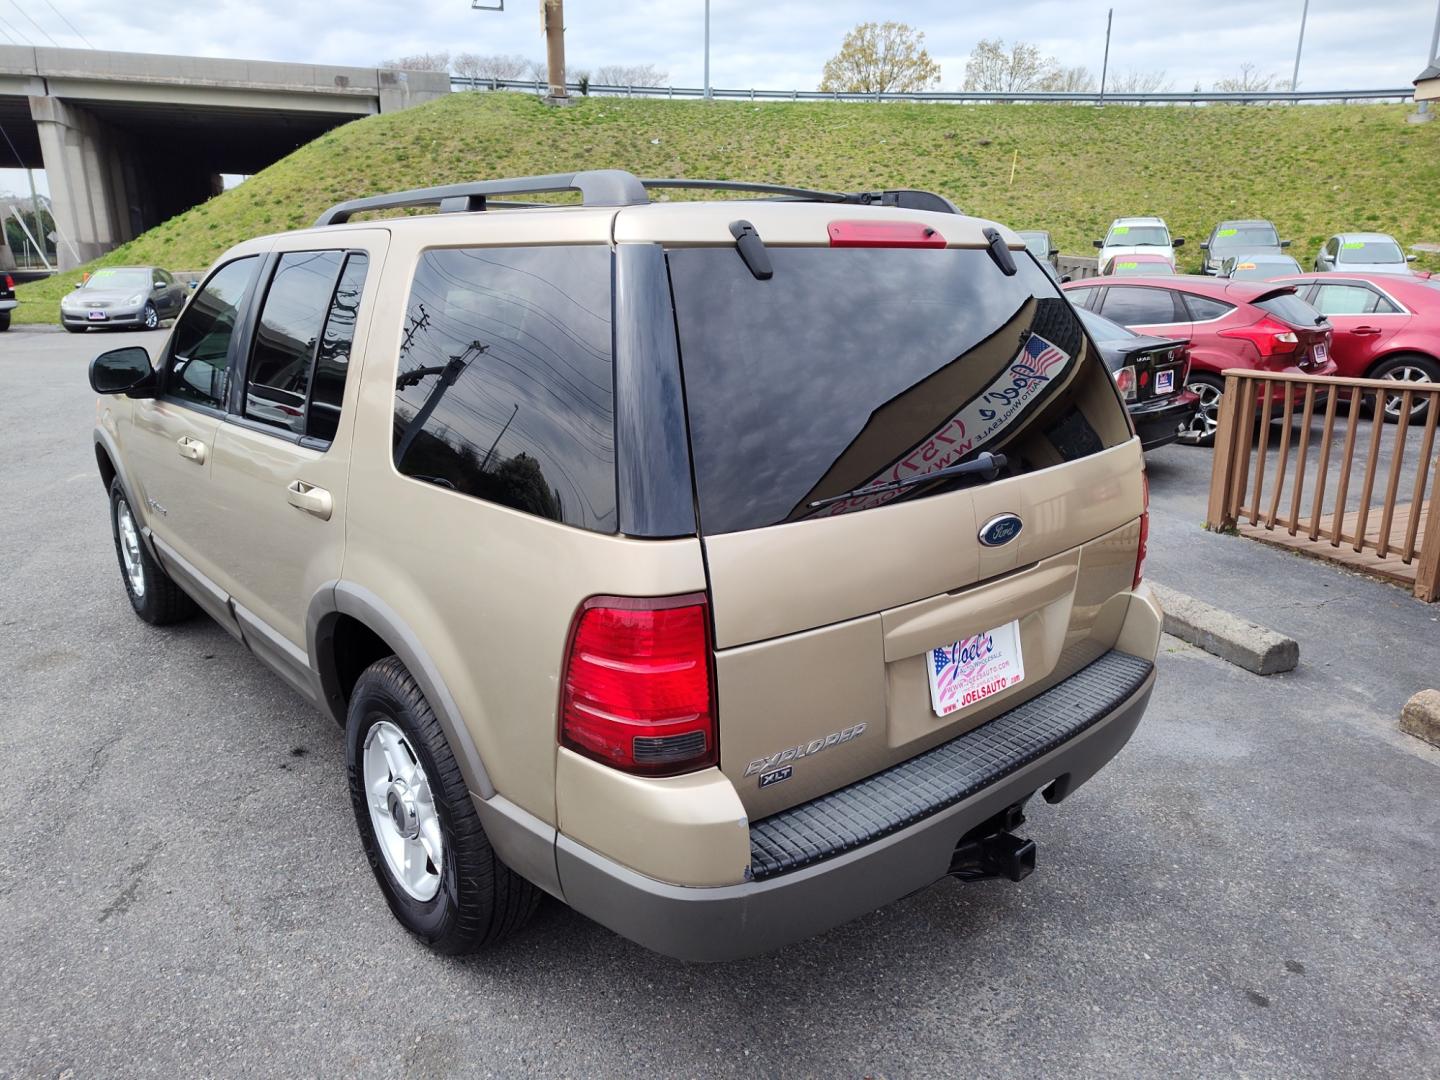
(1105, 64)
(552, 17)
(707, 50)
(1295, 77)
(39, 221)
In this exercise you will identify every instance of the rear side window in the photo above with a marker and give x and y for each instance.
(1132, 306)
(332, 361)
(285, 338)
(506, 388)
(851, 368)
(1351, 300)
(1203, 308)
(1289, 308)
(198, 367)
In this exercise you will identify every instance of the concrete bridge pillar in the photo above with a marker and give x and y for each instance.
(90, 181)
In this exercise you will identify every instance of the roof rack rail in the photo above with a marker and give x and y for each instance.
(597, 187)
(611, 187)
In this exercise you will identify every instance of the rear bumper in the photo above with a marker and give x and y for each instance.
(1159, 422)
(805, 889)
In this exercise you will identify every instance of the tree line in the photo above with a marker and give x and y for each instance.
(516, 67)
(890, 57)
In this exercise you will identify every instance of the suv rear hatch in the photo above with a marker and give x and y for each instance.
(849, 369)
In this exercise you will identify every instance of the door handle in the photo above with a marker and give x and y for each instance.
(191, 449)
(1365, 331)
(311, 499)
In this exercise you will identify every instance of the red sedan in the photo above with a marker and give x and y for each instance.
(1228, 324)
(1386, 327)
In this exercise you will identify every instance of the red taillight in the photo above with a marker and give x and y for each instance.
(884, 234)
(1144, 532)
(1125, 382)
(1269, 337)
(636, 689)
(9, 282)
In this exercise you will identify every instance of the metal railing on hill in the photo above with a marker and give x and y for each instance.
(1331, 483)
(1165, 97)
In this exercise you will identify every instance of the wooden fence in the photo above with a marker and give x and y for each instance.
(1285, 485)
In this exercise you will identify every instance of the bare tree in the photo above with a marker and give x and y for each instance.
(878, 58)
(1138, 82)
(1247, 79)
(436, 61)
(1009, 69)
(630, 75)
(472, 66)
(1067, 80)
(539, 70)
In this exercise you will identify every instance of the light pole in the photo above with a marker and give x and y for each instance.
(707, 50)
(1105, 64)
(1295, 76)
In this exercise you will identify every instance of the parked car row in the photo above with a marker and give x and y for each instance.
(1361, 313)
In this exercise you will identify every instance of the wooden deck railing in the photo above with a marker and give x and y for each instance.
(1285, 485)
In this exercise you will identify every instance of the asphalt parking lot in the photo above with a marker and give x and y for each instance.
(1252, 888)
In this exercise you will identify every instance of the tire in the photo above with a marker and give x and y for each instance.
(149, 318)
(153, 594)
(4, 321)
(1201, 431)
(76, 329)
(1405, 367)
(398, 759)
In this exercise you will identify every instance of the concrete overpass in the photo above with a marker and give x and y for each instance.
(128, 140)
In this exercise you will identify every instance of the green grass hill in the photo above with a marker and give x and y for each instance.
(1313, 170)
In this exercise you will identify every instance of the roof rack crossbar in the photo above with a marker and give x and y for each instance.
(597, 187)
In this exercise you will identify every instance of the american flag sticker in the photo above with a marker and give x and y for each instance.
(966, 672)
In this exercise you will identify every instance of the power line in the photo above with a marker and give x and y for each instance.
(61, 15)
(37, 26)
(16, 30)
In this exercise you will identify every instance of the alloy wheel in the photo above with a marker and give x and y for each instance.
(1207, 416)
(130, 554)
(1405, 373)
(402, 811)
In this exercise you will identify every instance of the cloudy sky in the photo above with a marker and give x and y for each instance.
(1348, 44)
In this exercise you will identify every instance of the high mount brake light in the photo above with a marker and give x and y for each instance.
(901, 234)
(636, 692)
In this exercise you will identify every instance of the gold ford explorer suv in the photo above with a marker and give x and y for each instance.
(724, 569)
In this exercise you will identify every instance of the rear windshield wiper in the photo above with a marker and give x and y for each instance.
(987, 466)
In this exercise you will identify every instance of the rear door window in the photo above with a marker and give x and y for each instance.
(506, 388)
(1348, 300)
(197, 368)
(1135, 306)
(1203, 308)
(851, 368)
(283, 356)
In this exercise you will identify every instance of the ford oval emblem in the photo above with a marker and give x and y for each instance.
(1000, 530)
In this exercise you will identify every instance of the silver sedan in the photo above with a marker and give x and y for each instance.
(138, 297)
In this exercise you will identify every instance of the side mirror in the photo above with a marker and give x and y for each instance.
(1179, 241)
(1284, 243)
(1099, 243)
(1065, 279)
(124, 371)
(78, 284)
(1410, 258)
(159, 285)
(1054, 252)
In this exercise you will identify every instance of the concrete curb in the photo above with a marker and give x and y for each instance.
(1231, 638)
(1421, 716)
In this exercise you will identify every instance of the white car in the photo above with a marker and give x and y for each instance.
(1138, 236)
(1364, 253)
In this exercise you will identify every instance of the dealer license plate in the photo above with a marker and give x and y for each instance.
(1321, 354)
(965, 673)
(97, 316)
(1165, 381)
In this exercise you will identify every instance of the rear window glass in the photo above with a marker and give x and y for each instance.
(505, 389)
(854, 367)
(1202, 308)
(1289, 308)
